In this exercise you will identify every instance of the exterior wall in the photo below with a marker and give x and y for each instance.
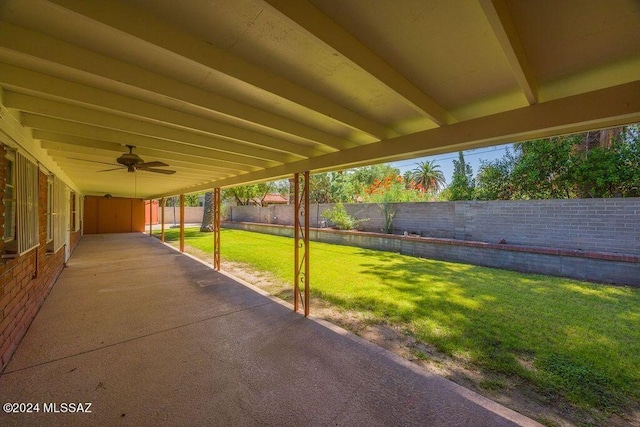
(25, 281)
(154, 211)
(602, 225)
(192, 215)
(588, 266)
(113, 215)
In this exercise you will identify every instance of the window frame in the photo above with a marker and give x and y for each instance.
(10, 175)
(50, 208)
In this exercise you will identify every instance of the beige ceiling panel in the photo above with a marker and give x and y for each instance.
(237, 91)
(40, 52)
(174, 124)
(445, 48)
(565, 38)
(161, 38)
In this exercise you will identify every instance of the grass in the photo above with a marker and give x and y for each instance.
(572, 340)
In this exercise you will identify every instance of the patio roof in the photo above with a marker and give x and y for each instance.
(232, 92)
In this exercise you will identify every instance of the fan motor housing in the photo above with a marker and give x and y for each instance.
(129, 159)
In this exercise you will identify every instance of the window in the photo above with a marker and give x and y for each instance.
(21, 205)
(50, 210)
(10, 198)
(59, 215)
(80, 214)
(26, 204)
(72, 204)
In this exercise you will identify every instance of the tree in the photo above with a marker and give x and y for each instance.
(389, 191)
(320, 188)
(427, 176)
(542, 168)
(603, 163)
(609, 169)
(207, 213)
(346, 186)
(493, 179)
(191, 200)
(247, 194)
(462, 182)
(365, 176)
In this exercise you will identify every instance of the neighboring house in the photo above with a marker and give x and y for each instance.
(272, 199)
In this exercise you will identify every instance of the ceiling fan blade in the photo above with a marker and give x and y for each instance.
(109, 170)
(164, 171)
(91, 161)
(150, 165)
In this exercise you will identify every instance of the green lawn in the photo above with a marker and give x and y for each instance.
(569, 339)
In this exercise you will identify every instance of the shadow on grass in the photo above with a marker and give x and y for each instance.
(582, 339)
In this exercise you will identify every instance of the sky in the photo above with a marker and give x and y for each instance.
(445, 161)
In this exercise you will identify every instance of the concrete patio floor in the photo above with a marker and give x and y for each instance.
(150, 336)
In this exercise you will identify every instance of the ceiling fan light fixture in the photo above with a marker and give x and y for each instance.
(129, 159)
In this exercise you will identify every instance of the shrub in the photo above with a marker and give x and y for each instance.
(342, 220)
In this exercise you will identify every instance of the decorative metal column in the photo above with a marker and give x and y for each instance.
(182, 223)
(162, 202)
(301, 234)
(216, 228)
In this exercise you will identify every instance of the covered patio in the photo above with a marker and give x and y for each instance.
(150, 336)
(119, 102)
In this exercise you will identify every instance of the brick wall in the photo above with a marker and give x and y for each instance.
(25, 281)
(602, 225)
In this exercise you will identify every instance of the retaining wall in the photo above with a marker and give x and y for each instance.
(583, 265)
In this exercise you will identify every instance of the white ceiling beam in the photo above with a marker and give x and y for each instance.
(306, 15)
(112, 176)
(80, 129)
(114, 147)
(73, 142)
(86, 172)
(108, 157)
(245, 141)
(500, 21)
(38, 45)
(125, 18)
(158, 149)
(614, 106)
(93, 132)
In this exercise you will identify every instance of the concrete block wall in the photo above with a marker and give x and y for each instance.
(25, 281)
(192, 215)
(593, 267)
(602, 225)
(608, 225)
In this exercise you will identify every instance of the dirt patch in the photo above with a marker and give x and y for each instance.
(511, 392)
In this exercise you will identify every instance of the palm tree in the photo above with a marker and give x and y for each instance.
(427, 176)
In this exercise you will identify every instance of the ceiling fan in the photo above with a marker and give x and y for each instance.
(133, 162)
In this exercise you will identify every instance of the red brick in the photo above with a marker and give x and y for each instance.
(8, 323)
(4, 301)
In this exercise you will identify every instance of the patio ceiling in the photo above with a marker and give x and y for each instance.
(229, 92)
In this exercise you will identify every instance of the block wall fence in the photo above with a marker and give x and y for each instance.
(596, 225)
(192, 215)
(25, 281)
(595, 240)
